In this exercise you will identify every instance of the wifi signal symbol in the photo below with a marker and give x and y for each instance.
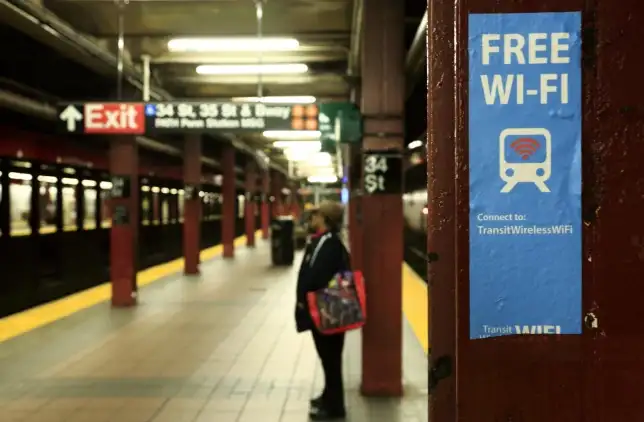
(525, 147)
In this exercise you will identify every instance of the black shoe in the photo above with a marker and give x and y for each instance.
(316, 402)
(321, 414)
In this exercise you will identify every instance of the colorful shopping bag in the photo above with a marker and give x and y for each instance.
(341, 306)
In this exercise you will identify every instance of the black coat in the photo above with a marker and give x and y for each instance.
(324, 257)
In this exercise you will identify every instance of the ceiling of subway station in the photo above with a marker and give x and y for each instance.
(323, 29)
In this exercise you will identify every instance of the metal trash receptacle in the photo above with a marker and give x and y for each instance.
(283, 241)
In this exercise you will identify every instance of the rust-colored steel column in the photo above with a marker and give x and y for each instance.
(277, 183)
(249, 209)
(124, 206)
(529, 378)
(614, 205)
(293, 201)
(355, 196)
(355, 207)
(230, 199)
(192, 204)
(266, 193)
(441, 219)
(383, 89)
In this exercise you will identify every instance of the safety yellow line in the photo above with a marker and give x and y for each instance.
(23, 322)
(416, 305)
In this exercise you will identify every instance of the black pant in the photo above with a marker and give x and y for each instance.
(329, 349)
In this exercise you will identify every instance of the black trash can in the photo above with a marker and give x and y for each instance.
(283, 241)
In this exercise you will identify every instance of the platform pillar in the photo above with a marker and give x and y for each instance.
(585, 373)
(355, 207)
(276, 187)
(383, 89)
(266, 193)
(192, 204)
(228, 189)
(251, 203)
(296, 201)
(124, 207)
(441, 204)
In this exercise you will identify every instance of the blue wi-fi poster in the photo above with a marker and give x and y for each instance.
(525, 174)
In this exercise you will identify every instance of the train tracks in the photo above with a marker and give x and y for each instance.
(416, 258)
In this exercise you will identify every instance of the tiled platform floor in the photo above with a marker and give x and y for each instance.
(220, 347)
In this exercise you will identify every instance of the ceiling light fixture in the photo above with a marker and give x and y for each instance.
(322, 179)
(296, 99)
(252, 69)
(415, 144)
(232, 44)
(293, 134)
(309, 146)
(308, 157)
(320, 159)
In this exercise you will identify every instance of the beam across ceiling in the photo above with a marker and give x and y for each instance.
(266, 79)
(37, 21)
(326, 55)
(416, 56)
(321, 37)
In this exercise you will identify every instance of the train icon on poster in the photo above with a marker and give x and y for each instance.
(525, 156)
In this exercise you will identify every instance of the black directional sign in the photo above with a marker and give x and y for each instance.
(337, 122)
(121, 187)
(229, 117)
(382, 173)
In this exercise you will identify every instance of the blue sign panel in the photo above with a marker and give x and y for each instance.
(525, 174)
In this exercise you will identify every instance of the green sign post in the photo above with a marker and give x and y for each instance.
(340, 123)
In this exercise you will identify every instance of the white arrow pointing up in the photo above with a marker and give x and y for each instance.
(71, 115)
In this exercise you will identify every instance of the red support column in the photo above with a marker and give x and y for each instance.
(124, 207)
(249, 210)
(383, 88)
(228, 188)
(441, 204)
(192, 205)
(295, 202)
(355, 209)
(276, 187)
(266, 192)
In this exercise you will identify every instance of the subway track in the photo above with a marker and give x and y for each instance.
(415, 252)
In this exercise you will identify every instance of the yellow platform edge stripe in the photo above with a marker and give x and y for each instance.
(416, 305)
(39, 316)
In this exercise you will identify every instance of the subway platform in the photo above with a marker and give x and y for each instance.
(219, 347)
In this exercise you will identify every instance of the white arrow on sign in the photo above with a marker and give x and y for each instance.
(71, 115)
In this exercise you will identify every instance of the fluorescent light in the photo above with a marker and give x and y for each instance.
(308, 157)
(312, 146)
(232, 44)
(252, 69)
(322, 179)
(297, 99)
(293, 134)
(415, 144)
(296, 154)
(321, 159)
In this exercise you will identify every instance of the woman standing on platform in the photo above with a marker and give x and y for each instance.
(324, 256)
